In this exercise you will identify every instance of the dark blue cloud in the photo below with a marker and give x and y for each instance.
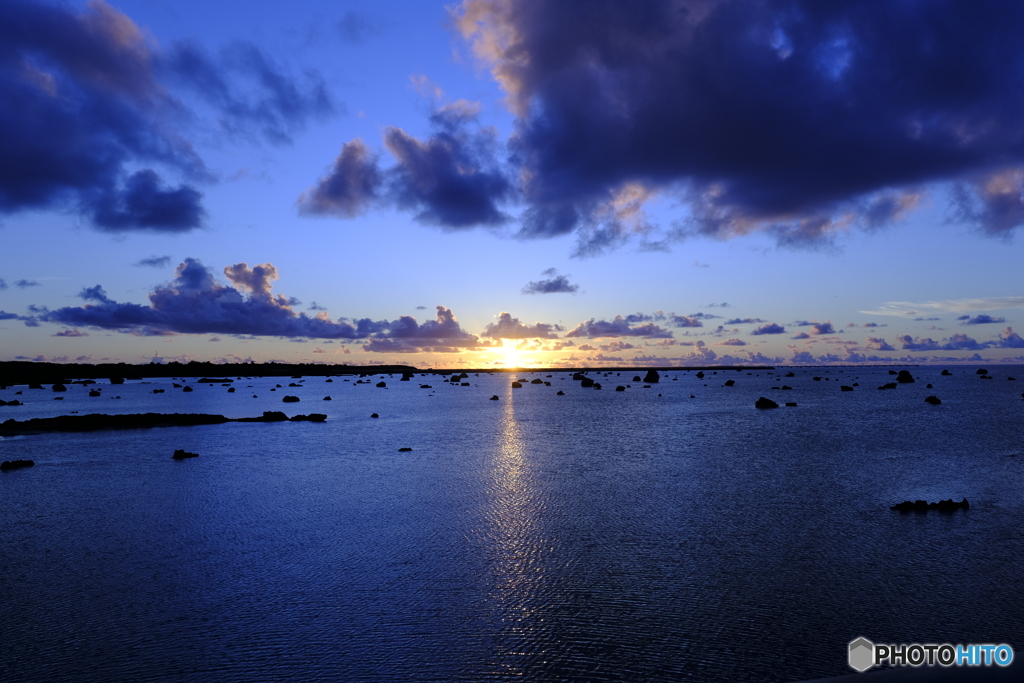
(349, 188)
(743, 321)
(619, 327)
(142, 204)
(980, 319)
(555, 285)
(770, 328)
(508, 327)
(742, 108)
(155, 261)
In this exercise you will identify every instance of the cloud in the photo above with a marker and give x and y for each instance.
(70, 333)
(3, 284)
(617, 346)
(349, 188)
(406, 335)
(910, 309)
(802, 335)
(555, 285)
(24, 284)
(155, 261)
(738, 110)
(743, 321)
(508, 327)
(251, 93)
(770, 328)
(878, 344)
(1008, 339)
(980, 319)
(618, 327)
(958, 342)
(195, 303)
(143, 204)
(731, 342)
(701, 352)
(354, 27)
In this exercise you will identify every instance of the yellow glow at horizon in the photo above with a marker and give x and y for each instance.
(511, 357)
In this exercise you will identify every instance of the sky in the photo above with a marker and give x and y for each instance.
(512, 183)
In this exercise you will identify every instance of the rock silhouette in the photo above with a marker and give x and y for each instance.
(181, 454)
(652, 377)
(8, 465)
(924, 506)
(934, 400)
(765, 403)
(905, 377)
(290, 399)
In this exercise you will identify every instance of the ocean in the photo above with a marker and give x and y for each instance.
(667, 533)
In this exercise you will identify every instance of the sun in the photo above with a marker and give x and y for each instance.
(510, 357)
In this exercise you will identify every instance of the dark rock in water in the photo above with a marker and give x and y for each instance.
(15, 402)
(231, 390)
(518, 385)
(425, 386)
(981, 371)
(928, 386)
(816, 379)
(700, 375)
(729, 383)
(176, 386)
(294, 384)
(537, 381)
(560, 393)
(905, 377)
(330, 380)
(890, 385)
(59, 387)
(312, 417)
(404, 450)
(493, 398)
(892, 372)
(58, 398)
(181, 454)
(94, 392)
(637, 379)
(290, 399)
(652, 377)
(597, 385)
(327, 398)
(8, 465)
(790, 374)
(212, 380)
(186, 389)
(948, 505)
(946, 372)
(35, 386)
(374, 415)
(1012, 379)
(934, 400)
(765, 403)
(382, 385)
(845, 388)
(791, 405)
(586, 382)
(577, 376)
(620, 388)
(268, 416)
(117, 380)
(786, 387)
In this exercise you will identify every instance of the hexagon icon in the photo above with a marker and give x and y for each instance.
(862, 654)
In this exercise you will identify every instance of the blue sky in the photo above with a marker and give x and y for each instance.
(511, 183)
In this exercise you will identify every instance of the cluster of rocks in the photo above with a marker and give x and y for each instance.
(924, 506)
(8, 465)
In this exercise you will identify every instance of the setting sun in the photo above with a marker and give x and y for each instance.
(510, 356)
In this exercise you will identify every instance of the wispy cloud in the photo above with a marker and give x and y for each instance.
(910, 309)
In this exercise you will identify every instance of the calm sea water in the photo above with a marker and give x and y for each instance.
(644, 535)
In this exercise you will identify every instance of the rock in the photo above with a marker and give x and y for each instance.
(786, 387)
(537, 381)
(981, 371)
(8, 465)
(946, 372)
(425, 386)
(905, 377)
(382, 385)
(186, 389)
(890, 385)
(327, 398)
(652, 377)
(560, 393)
(586, 382)
(928, 386)
(934, 400)
(577, 376)
(176, 386)
(181, 454)
(816, 379)
(294, 384)
(845, 388)
(331, 380)
(700, 375)
(404, 450)
(765, 403)
(620, 388)
(517, 385)
(729, 383)
(493, 398)
(948, 505)
(790, 374)
(791, 405)
(59, 387)
(637, 378)
(290, 399)
(231, 390)
(35, 386)
(374, 415)
(94, 392)
(892, 372)
(312, 417)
